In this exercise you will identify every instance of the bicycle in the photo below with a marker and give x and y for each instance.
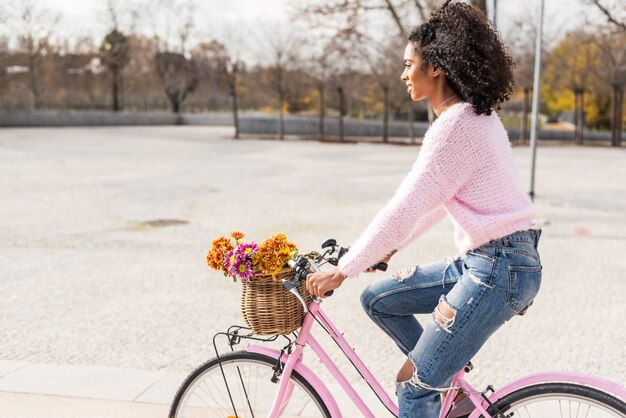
(261, 381)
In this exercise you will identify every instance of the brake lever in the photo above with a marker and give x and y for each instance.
(293, 289)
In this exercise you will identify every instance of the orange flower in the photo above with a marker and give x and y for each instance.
(215, 256)
(237, 235)
(273, 254)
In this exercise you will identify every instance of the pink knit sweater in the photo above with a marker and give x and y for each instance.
(465, 168)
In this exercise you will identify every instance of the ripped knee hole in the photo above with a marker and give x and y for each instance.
(444, 313)
(406, 372)
(404, 273)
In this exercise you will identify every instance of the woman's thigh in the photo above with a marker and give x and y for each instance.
(477, 305)
(415, 290)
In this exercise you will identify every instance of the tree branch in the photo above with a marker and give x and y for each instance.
(396, 18)
(608, 14)
(420, 9)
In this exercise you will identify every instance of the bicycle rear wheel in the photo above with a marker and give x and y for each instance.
(559, 400)
(244, 389)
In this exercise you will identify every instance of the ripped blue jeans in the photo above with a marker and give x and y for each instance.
(480, 290)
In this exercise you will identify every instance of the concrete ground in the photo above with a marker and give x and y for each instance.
(104, 308)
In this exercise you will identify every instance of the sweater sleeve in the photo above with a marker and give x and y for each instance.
(423, 224)
(439, 171)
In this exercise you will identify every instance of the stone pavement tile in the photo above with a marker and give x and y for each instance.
(80, 381)
(8, 366)
(163, 390)
(26, 405)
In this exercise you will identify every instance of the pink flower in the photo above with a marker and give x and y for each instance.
(238, 262)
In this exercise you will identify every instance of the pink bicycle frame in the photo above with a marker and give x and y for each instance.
(293, 362)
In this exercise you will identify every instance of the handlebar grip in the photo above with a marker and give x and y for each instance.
(329, 293)
(381, 266)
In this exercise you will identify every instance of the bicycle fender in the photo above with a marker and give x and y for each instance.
(305, 372)
(556, 377)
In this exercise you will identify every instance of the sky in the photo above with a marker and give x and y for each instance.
(212, 17)
(229, 20)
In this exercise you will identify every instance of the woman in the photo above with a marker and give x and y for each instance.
(466, 170)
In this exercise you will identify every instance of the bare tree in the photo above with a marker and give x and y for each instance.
(177, 71)
(179, 76)
(352, 16)
(214, 59)
(115, 50)
(328, 69)
(115, 54)
(172, 24)
(349, 21)
(319, 70)
(522, 41)
(35, 26)
(384, 64)
(613, 72)
(4, 53)
(282, 50)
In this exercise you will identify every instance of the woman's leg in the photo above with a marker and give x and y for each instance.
(392, 303)
(463, 320)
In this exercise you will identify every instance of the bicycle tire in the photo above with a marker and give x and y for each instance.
(537, 397)
(231, 362)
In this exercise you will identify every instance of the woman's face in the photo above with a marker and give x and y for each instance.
(420, 83)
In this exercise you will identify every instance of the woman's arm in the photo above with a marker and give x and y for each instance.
(441, 168)
(423, 224)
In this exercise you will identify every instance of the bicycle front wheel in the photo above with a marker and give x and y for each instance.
(559, 400)
(244, 389)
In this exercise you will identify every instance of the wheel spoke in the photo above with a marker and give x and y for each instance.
(208, 390)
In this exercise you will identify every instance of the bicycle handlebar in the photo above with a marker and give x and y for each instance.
(303, 265)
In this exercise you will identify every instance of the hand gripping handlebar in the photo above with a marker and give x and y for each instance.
(303, 266)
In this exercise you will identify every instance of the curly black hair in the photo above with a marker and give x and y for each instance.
(459, 40)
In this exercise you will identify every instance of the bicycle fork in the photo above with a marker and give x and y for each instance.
(285, 385)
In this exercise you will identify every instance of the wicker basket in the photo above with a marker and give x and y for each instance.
(268, 307)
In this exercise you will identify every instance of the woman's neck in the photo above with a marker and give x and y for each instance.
(443, 100)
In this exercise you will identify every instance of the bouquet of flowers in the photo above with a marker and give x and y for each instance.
(247, 260)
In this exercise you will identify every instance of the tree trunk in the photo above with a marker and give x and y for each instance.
(385, 114)
(174, 102)
(579, 112)
(281, 115)
(616, 125)
(33, 76)
(411, 118)
(115, 91)
(320, 127)
(341, 112)
(523, 134)
(233, 93)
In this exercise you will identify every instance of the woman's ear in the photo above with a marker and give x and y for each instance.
(437, 72)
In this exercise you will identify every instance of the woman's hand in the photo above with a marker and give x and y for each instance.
(384, 260)
(321, 282)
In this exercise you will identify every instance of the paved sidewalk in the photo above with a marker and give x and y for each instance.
(26, 405)
(106, 303)
(66, 391)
